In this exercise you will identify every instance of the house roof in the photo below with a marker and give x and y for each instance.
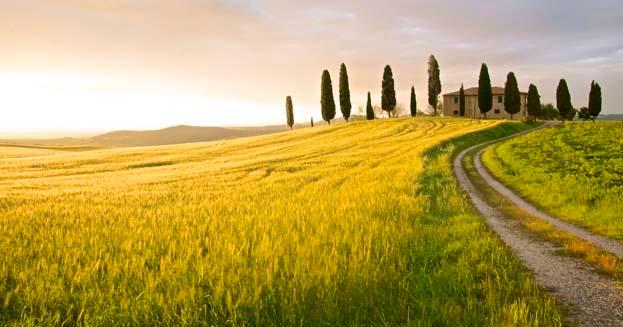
(495, 90)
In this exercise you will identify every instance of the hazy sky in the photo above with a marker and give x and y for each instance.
(109, 64)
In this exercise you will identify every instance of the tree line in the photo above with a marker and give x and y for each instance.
(512, 97)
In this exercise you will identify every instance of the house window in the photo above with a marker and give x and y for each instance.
(456, 112)
(496, 111)
(456, 100)
(500, 98)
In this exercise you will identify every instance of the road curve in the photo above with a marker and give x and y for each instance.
(595, 299)
(603, 242)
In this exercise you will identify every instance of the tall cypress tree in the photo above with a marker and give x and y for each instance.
(413, 103)
(434, 82)
(345, 105)
(512, 97)
(369, 109)
(462, 101)
(485, 96)
(289, 112)
(534, 102)
(563, 100)
(388, 94)
(327, 102)
(594, 100)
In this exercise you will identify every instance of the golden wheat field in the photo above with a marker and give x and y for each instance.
(23, 152)
(351, 224)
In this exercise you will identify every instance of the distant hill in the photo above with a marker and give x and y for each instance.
(170, 135)
(166, 136)
(611, 117)
(180, 134)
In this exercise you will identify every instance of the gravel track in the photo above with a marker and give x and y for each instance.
(594, 299)
(603, 242)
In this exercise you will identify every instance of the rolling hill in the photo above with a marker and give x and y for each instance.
(180, 134)
(171, 135)
(351, 224)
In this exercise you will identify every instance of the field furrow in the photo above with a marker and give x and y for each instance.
(351, 224)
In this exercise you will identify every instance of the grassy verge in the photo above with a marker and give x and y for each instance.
(512, 297)
(570, 244)
(574, 172)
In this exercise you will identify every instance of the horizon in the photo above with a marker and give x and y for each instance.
(87, 66)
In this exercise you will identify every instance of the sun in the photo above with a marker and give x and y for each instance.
(51, 101)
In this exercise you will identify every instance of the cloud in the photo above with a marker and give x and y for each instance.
(259, 51)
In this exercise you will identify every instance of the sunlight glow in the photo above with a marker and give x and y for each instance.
(72, 102)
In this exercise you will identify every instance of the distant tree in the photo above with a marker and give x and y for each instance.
(462, 101)
(594, 100)
(327, 102)
(584, 114)
(512, 98)
(289, 112)
(345, 105)
(312, 122)
(369, 109)
(413, 103)
(563, 100)
(388, 95)
(534, 102)
(399, 110)
(485, 94)
(549, 112)
(378, 111)
(572, 113)
(434, 83)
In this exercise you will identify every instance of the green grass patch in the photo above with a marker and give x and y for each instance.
(573, 171)
(570, 244)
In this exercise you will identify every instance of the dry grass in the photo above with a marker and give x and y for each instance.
(358, 224)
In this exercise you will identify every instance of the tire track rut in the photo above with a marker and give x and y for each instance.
(595, 299)
(603, 242)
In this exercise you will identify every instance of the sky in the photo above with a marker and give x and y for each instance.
(79, 66)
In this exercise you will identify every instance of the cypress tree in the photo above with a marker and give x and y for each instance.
(594, 100)
(327, 102)
(534, 102)
(563, 100)
(345, 105)
(485, 96)
(512, 98)
(434, 83)
(388, 92)
(462, 101)
(312, 122)
(289, 112)
(369, 109)
(413, 104)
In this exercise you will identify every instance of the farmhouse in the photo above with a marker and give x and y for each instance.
(451, 104)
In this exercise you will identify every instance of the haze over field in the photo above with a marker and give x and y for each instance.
(84, 65)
